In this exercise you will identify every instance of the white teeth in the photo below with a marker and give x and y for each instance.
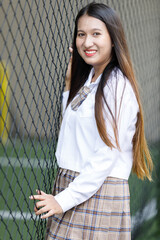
(90, 52)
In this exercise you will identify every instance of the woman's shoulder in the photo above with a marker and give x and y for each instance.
(117, 79)
(119, 84)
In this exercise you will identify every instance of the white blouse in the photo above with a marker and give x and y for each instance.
(80, 147)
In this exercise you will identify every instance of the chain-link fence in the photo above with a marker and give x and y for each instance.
(35, 36)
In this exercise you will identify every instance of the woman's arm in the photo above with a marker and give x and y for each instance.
(68, 73)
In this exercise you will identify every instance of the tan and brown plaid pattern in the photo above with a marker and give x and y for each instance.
(105, 216)
(82, 94)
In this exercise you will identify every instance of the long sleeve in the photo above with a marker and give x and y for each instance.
(64, 101)
(105, 161)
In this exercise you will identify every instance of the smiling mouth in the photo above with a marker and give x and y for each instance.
(90, 53)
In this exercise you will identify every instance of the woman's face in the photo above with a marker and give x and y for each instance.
(93, 42)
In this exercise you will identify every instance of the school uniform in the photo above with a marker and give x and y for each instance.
(92, 182)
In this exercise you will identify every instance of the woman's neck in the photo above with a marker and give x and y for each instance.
(96, 75)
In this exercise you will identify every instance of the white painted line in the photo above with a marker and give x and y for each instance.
(24, 162)
(149, 211)
(18, 215)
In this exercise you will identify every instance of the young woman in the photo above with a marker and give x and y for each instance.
(101, 137)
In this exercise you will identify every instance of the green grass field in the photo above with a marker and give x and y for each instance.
(21, 176)
(144, 193)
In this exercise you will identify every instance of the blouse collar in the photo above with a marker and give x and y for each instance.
(89, 83)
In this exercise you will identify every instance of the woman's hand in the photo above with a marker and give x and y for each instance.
(47, 204)
(68, 73)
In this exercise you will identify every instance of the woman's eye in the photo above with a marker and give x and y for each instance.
(80, 34)
(96, 34)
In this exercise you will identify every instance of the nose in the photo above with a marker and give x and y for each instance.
(88, 42)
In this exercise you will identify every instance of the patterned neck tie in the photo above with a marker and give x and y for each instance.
(82, 95)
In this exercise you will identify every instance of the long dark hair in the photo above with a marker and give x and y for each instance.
(119, 58)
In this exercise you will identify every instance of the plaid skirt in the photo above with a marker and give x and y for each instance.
(106, 215)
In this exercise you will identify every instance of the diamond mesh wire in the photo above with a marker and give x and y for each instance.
(35, 36)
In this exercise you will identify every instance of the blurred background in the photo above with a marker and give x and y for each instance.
(34, 39)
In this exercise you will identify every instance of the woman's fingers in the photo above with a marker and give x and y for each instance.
(41, 192)
(49, 214)
(40, 195)
(40, 204)
(42, 210)
(70, 49)
(35, 209)
(37, 197)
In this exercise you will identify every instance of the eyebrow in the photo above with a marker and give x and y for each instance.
(93, 29)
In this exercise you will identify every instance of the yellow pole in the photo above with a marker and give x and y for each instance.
(4, 103)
